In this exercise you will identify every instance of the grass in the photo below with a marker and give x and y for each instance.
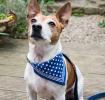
(101, 24)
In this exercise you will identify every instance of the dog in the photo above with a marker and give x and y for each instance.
(49, 73)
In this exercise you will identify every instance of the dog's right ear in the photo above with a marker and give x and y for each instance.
(33, 8)
(64, 13)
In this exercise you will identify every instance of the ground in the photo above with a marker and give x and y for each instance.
(83, 41)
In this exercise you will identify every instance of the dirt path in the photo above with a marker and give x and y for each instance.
(83, 41)
(85, 30)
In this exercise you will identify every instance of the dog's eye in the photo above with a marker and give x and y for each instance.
(52, 24)
(33, 20)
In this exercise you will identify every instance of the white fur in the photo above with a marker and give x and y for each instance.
(41, 87)
(40, 51)
(46, 31)
(80, 83)
(35, 83)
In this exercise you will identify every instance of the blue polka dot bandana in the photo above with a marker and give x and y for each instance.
(53, 70)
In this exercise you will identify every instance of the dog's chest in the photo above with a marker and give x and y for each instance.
(53, 70)
(43, 87)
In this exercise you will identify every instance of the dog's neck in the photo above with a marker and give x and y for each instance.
(41, 52)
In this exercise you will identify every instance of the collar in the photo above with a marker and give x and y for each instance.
(53, 70)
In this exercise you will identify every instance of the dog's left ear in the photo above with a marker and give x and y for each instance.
(33, 8)
(64, 13)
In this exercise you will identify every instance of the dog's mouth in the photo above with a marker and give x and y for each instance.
(37, 37)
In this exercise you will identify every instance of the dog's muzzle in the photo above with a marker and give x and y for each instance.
(36, 32)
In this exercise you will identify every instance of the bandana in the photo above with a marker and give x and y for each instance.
(53, 70)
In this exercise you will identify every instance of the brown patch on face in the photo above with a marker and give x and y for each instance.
(58, 29)
(61, 19)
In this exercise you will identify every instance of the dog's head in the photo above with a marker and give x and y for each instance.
(46, 28)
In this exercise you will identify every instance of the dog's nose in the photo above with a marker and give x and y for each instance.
(36, 32)
(37, 27)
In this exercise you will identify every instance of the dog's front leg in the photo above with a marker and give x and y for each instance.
(60, 97)
(32, 95)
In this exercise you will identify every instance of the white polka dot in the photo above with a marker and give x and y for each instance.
(42, 64)
(56, 74)
(45, 68)
(53, 74)
(51, 70)
(60, 76)
(56, 68)
(46, 64)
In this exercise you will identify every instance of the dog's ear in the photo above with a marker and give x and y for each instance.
(33, 8)
(64, 13)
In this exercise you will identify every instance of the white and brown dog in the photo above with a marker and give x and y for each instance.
(49, 73)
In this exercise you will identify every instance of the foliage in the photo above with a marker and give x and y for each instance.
(2, 1)
(2, 16)
(50, 1)
(102, 24)
(19, 7)
(47, 1)
(78, 12)
(2, 8)
(46, 6)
